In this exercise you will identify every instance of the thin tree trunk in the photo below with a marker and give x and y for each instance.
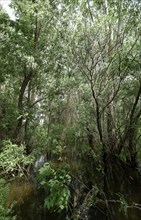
(67, 117)
(27, 78)
(17, 133)
(130, 134)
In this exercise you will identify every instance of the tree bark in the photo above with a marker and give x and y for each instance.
(17, 133)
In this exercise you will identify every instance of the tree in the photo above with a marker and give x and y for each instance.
(102, 53)
(70, 81)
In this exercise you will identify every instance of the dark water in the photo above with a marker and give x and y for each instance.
(119, 207)
(32, 207)
(122, 199)
(123, 194)
(29, 198)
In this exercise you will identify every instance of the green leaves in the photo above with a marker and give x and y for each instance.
(56, 181)
(13, 159)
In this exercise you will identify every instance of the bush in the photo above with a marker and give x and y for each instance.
(13, 159)
(57, 183)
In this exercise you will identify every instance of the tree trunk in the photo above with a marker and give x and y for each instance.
(18, 136)
(67, 117)
(18, 132)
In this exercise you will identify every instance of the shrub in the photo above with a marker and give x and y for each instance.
(13, 159)
(56, 181)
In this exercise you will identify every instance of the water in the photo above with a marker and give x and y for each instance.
(39, 162)
(29, 202)
(122, 186)
(123, 191)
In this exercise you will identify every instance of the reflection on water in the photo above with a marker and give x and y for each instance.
(30, 206)
(29, 198)
(30, 203)
(123, 191)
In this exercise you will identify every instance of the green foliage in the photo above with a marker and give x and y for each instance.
(5, 212)
(13, 159)
(72, 132)
(88, 49)
(55, 132)
(57, 182)
(43, 142)
(39, 135)
(9, 118)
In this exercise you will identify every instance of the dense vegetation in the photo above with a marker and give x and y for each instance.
(70, 89)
